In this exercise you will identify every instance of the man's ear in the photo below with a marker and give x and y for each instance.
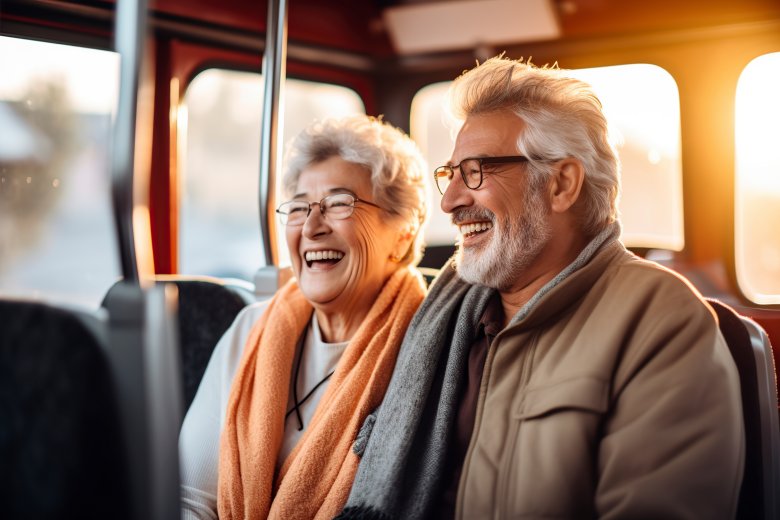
(566, 184)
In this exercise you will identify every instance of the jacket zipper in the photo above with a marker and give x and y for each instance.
(507, 461)
(478, 416)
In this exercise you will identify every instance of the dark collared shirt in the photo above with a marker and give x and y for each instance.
(489, 326)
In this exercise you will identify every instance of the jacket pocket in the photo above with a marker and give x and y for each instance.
(547, 469)
(582, 393)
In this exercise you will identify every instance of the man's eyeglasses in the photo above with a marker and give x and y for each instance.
(472, 170)
(337, 207)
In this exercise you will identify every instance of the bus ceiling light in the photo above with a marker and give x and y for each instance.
(462, 24)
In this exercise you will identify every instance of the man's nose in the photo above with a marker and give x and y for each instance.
(456, 195)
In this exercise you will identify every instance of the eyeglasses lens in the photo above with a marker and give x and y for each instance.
(294, 213)
(472, 173)
(338, 206)
(443, 176)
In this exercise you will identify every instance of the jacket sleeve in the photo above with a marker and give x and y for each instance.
(673, 441)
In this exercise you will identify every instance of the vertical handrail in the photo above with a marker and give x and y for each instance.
(129, 36)
(274, 66)
(143, 348)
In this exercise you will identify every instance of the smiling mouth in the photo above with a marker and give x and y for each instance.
(473, 229)
(323, 257)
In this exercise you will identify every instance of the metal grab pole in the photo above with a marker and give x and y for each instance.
(142, 347)
(129, 36)
(274, 66)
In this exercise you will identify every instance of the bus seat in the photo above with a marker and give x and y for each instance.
(207, 307)
(435, 256)
(60, 433)
(429, 274)
(143, 355)
(752, 353)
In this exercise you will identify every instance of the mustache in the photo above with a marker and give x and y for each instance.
(470, 214)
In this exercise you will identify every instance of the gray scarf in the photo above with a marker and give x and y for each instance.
(400, 474)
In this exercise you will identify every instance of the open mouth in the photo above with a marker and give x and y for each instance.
(322, 258)
(474, 228)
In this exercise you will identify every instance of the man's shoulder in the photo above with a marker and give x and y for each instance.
(637, 275)
(634, 287)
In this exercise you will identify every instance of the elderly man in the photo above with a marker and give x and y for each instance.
(549, 372)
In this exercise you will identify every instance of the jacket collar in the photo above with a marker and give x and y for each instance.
(573, 281)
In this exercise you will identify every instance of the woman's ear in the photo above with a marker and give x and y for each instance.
(403, 243)
(566, 185)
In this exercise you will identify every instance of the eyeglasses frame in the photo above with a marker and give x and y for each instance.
(322, 209)
(502, 159)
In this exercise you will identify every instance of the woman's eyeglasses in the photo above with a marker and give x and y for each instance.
(337, 207)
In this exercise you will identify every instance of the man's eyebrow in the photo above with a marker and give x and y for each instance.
(472, 156)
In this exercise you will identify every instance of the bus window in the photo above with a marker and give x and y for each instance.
(642, 105)
(57, 239)
(757, 186)
(220, 123)
(432, 133)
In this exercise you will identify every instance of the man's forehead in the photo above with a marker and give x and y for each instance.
(495, 133)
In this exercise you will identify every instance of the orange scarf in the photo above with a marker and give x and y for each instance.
(316, 477)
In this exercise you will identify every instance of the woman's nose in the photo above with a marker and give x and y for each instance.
(315, 223)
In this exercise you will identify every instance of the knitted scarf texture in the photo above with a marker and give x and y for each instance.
(315, 479)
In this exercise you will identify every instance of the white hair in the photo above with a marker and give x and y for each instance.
(563, 118)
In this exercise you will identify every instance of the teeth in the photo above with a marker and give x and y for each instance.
(475, 227)
(327, 254)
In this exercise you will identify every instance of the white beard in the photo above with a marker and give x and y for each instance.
(515, 243)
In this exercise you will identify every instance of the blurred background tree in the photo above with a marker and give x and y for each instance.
(39, 137)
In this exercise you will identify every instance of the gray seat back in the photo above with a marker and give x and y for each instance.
(769, 424)
(61, 436)
(206, 308)
(752, 353)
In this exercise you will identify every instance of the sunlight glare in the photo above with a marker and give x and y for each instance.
(90, 77)
(757, 117)
(757, 183)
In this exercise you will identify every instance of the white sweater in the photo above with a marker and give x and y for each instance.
(199, 438)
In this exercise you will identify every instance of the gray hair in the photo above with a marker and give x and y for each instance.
(563, 118)
(391, 158)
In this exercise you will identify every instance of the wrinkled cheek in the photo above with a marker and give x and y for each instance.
(359, 265)
(365, 257)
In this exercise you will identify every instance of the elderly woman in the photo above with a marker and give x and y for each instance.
(271, 430)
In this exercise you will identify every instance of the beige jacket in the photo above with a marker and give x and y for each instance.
(615, 397)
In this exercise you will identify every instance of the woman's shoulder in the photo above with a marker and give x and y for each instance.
(247, 317)
(230, 347)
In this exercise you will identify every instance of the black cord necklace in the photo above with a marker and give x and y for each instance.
(298, 404)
